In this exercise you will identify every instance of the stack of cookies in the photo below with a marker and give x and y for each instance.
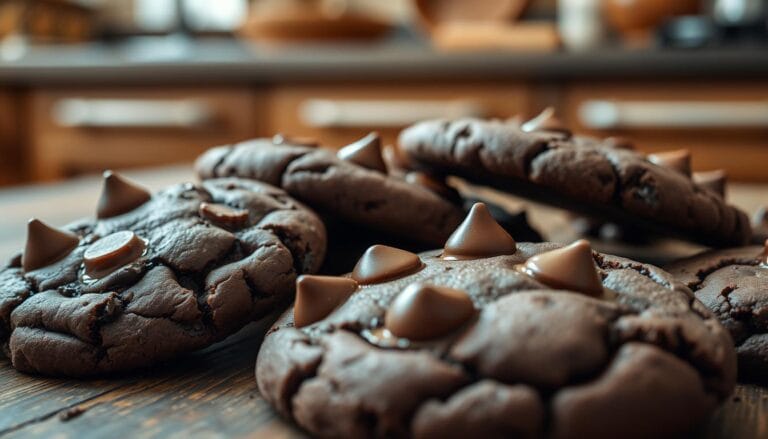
(417, 311)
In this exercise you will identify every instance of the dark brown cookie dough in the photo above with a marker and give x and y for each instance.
(353, 187)
(499, 339)
(154, 276)
(734, 285)
(598, 178)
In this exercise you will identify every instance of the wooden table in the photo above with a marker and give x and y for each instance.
(212, 393)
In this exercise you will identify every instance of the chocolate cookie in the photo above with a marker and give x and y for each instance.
(734, 285)
(352, 185)
(493, 338)
(543, 160)
(153, 276)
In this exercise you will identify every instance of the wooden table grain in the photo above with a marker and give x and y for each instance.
(213, 393)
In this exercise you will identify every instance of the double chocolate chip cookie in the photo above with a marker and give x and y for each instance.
(352, 185)
(492, 338)
(153, 276)
(734, 285)
(541, 159)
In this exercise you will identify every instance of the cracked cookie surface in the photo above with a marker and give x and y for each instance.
(645, 359)
(338, 188)
(592, 176)
(733, 284)
(213, 258)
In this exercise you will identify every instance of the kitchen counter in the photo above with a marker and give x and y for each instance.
(177, 59)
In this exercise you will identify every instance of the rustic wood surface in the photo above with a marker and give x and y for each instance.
(212, 393)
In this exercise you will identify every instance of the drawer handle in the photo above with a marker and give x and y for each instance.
(604, 114)
(131, 113)
(327, 113)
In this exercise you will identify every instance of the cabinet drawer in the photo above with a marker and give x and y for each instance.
(338, 114)
(724, 125)
(86, 130)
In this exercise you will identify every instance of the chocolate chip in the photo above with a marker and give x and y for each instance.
(764, 257)
(223, 215)
(433, 184)
(317, 296)
(678, 160)
(395, 160)
(380, 263)
(568, 268)
(547, 121)
(112, 252)
(714, 181)
(46, 245)
(119, 196)
(425, 311)
(479, 236)
(365, 152)
(283, 139)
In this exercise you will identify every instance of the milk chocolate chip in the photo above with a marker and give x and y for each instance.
(433, 184)
(764, 261)
(425, 311)
(546, 121)
(479, 236)
(283, 139)
(397, 163)
(317, 296)
(714, 181)
(678, 160)
(366, 152)
(223, 215)
(112, 252)
(380, 263)
(119, 196)
(567, 268)
(46, 245)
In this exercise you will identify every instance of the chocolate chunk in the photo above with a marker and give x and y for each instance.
(433, 184)
(712, 180)
(112, 252)
(397, 163)
(548, 121)
(223, 215)
(381, 262)
(425, 311)
(46, 245)
(366, 152)
(567, 268)
(283, 139)
(317, 296)
(678, 160)
(119, 196)
(479, 236)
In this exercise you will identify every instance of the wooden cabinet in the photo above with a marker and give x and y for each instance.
(337, 114)
(85, 130)
(723, 124)
(76, 130)
(11, 158)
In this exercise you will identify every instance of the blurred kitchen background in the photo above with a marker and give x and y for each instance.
(94, 84)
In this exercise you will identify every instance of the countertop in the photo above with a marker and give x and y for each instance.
(176, 59)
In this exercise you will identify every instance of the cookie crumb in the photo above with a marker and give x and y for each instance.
(71, 413)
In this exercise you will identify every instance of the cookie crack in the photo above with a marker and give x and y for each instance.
(704, 273)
